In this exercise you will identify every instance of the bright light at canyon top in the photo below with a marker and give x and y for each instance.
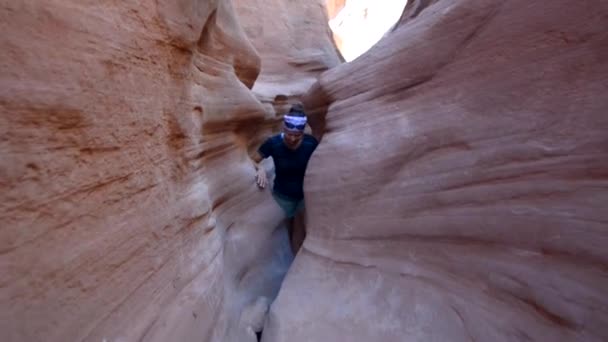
(359, 24)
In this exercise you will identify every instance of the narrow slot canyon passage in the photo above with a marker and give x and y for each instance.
(457, 190)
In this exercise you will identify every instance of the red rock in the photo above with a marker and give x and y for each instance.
(460, 192)
(129, 208)
(295, 45)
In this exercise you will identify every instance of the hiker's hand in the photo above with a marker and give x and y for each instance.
(261, 177)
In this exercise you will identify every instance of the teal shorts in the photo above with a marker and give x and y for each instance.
(289, 206)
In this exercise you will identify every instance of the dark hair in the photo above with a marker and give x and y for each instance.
(297, 110)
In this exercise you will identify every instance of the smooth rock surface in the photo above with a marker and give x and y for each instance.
(295, 44)
(460, 193)
(128, 209)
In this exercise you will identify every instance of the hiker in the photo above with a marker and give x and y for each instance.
(290, 151)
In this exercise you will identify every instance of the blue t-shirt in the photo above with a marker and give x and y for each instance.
(290, 165)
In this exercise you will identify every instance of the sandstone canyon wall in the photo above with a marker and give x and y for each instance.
(461, 190)
(459, 193)
(293, 39)
(128, 208)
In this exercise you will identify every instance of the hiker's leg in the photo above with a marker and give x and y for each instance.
(298, 231)
(290, 226)
(294, 212)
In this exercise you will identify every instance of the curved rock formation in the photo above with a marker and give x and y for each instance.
(294, 41)
(460, 192)
(128, 206)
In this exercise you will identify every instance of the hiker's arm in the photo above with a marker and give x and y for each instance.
(257, 158)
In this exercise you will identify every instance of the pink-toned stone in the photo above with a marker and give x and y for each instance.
(128, 205)
(295, 45)
(460, 191)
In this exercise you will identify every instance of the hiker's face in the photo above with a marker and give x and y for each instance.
(292, 139)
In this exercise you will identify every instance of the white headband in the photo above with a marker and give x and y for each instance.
(295, 122)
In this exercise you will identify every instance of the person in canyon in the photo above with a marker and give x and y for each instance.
(290, 151)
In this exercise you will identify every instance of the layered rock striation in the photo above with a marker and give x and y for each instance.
(128, 205)
(460, 191)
